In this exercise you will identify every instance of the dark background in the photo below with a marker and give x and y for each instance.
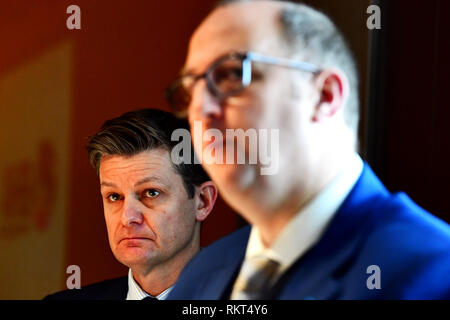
(408, 132)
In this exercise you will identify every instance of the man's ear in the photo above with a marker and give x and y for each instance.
(333, 87)
(206, 195)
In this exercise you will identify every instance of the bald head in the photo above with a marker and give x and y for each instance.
(260, 30)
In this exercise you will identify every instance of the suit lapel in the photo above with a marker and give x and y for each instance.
(224, 280)
(220, 280)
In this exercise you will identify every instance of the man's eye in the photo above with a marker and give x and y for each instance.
(114, 197)
(151, 193)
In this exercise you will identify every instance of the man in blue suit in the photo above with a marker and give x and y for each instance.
(322, 226)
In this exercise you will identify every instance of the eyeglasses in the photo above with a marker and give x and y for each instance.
(228, 76)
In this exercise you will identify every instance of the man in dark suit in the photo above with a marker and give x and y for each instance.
(322, 226)
(153, 207)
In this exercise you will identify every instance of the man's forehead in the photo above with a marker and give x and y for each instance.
(234, 27)
(139, 164)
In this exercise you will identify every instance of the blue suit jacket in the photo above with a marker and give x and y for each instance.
(372, 227)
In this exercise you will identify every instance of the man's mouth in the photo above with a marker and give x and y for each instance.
(134, 239)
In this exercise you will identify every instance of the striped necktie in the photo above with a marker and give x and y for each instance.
(255, 279)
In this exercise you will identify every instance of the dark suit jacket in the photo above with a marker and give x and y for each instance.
(372, 227)
(115, 289)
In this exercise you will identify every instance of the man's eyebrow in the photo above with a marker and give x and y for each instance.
(107, 184)
(140, 182)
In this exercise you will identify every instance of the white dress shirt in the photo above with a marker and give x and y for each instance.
(308, 225)
(135, 291)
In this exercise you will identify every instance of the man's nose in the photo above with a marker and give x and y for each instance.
(131, 213)
(204, 103)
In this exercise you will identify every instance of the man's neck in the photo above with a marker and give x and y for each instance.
(271, 223)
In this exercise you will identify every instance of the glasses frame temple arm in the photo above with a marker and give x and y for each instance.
(283, 62)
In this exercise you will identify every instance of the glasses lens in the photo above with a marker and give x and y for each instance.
(226, 76)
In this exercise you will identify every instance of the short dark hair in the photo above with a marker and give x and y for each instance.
(142, 130)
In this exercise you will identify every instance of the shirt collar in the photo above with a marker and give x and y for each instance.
(307, 226)
(135, 291)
